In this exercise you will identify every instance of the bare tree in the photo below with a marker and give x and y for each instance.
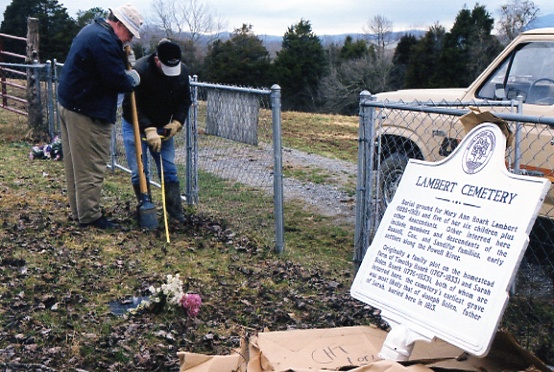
(340, 89)
(381, 28)
(514, 16)
(166, 15)
(188, 20)
(200, 20)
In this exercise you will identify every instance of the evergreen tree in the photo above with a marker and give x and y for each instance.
(299, 66)
(56, 27)
(353, 49)
(424, 58)
(484, 45)
(241, 60)
(84, 17)
(468, 48)
(400, 61)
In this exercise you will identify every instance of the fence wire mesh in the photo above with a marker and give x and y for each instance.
(431, 131)
(235, 153)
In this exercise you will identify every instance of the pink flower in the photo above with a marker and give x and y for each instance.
(191, 302)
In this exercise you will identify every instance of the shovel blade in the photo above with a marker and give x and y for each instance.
(148, 217)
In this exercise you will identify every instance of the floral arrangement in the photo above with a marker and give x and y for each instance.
(171, 293)
(51, 151)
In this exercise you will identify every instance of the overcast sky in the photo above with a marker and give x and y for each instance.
(327, 17)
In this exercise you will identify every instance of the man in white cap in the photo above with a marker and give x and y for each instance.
(93, 75)
(162, 103)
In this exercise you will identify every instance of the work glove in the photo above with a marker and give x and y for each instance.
(172, 129)
(153, 139)
(135, 77)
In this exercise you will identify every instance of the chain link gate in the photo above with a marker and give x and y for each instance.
(229, 159)
(391, 133)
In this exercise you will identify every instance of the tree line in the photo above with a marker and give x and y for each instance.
(313, 77)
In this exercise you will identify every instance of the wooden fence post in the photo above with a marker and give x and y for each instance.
(33, 81)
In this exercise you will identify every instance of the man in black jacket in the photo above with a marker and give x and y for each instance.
(93, 75)
(162, 104)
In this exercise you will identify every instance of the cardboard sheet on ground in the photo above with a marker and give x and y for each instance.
(194, 362)
(450, 243)
(355, 349)
(331, 349)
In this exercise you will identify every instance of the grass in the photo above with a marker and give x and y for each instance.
(58, 280)
(333, 136)
(315, 175)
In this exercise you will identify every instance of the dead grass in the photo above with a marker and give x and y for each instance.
(333, 136)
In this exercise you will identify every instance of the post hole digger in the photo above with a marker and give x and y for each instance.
(147, 214)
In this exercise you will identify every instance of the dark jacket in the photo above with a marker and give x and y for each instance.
(94, 73)
(159, 98)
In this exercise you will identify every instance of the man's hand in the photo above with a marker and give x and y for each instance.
(153, 139)
(135, 77)
(173, 128)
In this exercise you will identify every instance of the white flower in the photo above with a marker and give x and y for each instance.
(172, 292)
(173, 289)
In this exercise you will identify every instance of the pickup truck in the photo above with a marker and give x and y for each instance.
(524, 70)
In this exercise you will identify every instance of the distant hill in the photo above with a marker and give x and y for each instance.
(273, 42)
(339, 39)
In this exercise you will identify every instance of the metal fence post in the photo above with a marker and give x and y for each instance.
(517, 145)
(191, 168)
(364, 182)
(277, 169)
(50, 98)
(55, 78)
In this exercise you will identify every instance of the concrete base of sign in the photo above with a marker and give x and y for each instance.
(400, 342)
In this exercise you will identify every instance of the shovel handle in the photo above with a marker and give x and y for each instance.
(138, 147)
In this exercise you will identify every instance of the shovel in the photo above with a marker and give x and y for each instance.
(148, 217)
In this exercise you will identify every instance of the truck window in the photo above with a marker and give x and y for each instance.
(528, 72)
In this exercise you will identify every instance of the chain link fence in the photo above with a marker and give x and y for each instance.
(393, 132)
(229, 160)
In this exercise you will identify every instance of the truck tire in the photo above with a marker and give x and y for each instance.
(390, 174)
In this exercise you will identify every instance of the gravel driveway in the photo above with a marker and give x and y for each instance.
(253, 166)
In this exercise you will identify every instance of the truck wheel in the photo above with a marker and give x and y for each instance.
(390, 174)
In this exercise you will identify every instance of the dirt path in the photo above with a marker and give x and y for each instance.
(330, 199)
(253, 165)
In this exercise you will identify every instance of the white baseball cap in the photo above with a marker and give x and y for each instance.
(130, 17)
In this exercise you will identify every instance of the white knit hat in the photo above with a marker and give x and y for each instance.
(130, 17)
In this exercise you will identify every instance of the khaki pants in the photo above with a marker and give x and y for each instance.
(86, 151)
